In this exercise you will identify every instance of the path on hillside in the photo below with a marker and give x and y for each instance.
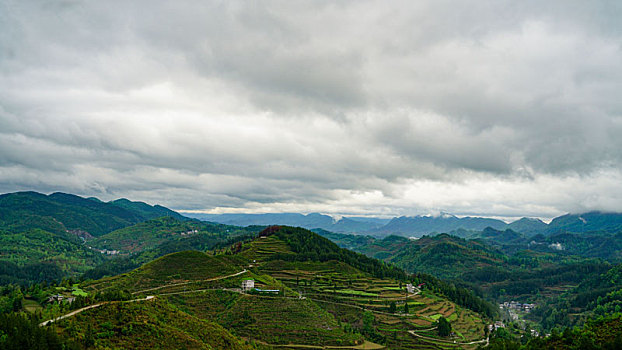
(45, 323)
(448, 341)
(183, 283)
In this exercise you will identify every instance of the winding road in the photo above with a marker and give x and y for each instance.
(183, 283)
(45, 323)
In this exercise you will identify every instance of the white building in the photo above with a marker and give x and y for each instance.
(410, 288)
(248, 285)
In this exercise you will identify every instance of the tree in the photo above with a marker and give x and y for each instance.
(406, 311)
(368, 320)
(443, 327)
(89, 336)
(392, 307)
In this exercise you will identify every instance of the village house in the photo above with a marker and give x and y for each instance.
(247, 285)
(410, 288)
(499, 324)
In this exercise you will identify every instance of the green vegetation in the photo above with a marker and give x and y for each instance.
(443, 327)
(60, 213)
(325, 303)
(42, 238)
(167, 230)
(505, 266)
(599, 333)
(175, 268)
(309, 246)
(149, 324)
(326, 295)
(18, 332)
(37, 255)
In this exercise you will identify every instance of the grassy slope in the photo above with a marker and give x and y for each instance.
(170, 269)
(274, 320)
(147, 325)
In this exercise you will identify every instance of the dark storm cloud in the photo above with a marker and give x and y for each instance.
(497, 107)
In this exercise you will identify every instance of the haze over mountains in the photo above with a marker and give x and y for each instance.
(59, 212)
(417, 226)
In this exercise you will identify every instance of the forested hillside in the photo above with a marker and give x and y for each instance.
(558, 273)
(44, 237)
(61, 213)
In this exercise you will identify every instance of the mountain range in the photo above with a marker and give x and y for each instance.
(309, 221)
(67, 213)
(417, 226)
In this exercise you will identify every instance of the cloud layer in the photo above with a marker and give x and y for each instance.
(370, 107)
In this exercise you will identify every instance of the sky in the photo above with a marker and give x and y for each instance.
(491, 108)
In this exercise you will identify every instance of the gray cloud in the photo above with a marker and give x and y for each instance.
(497, 107)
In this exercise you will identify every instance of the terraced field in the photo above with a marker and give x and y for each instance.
(347, 293)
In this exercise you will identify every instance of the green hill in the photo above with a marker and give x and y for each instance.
(445, 256)
(151, 324)
(442, 255)
(149, 234)
(182, 267)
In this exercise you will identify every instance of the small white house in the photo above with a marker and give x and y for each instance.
(248, 285)
(410, 288)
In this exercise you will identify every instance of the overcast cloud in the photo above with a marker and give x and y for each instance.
(498, 108)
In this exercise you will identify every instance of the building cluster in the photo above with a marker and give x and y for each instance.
(496, 325)
(58, 298)
(188, 232)
(106, 251)
(411, 289)
(513, 305)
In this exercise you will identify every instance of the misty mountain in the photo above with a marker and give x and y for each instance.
(528, 226)
(309, 221)
(418, 226)
(586, 222)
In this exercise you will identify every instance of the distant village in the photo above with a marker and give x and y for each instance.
(514, 307)
(106, 251)
(187, 233)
